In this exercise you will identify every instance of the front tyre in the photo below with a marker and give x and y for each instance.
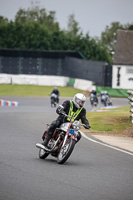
(66, 151)
(42, 154)
(105, 103)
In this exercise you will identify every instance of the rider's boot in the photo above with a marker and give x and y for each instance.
(49, 134)
(47, 138)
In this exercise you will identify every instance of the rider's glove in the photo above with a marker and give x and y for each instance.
(60, 109)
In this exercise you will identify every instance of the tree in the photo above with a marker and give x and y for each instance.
(130, 27)
(73, 26)
(3, 19)
(35, 29)
(108, 37)
(37, 15)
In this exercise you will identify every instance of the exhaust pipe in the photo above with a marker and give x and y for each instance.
(41, 146)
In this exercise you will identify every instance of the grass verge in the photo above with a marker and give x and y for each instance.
(33, 90)
(112, 122)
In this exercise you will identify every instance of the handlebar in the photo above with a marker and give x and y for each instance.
(84, 125)
(63, 113)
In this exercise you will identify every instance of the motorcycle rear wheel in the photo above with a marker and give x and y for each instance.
(42, 154)
(66, 151)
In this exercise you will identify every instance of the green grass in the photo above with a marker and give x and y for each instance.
(115, 120)
(32, 90)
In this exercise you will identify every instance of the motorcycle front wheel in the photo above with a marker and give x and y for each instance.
(66, 151)
(42, 154)
(105, 103)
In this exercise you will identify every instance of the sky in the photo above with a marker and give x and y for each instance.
(92, 15)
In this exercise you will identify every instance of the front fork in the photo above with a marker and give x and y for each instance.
(65, 139)
(66, 136)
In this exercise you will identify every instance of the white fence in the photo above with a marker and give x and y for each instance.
(130, 97)
(45, 81)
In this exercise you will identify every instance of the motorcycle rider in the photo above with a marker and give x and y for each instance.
(93, 95)
(104, 96)
(75, 109)
(56, 92)
(53, 98)
(108, 98)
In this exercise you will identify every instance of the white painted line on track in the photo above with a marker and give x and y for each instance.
(107, 145)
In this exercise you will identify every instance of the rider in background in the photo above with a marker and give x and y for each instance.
(53, 98)
(109, 101)
(75, 109)
(56, 92)
(105, 98)
(104, 93)
(93, 95)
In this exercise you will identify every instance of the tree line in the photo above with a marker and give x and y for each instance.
(37, 29)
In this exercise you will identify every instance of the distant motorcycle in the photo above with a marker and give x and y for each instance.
(62, 142)
(93, 100)
(109, 102)
(53, 99)
(106, 101)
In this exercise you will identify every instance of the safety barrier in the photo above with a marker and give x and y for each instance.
(130, 97)
(8, 103)
(24, 79)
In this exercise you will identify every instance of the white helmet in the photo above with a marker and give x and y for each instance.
(79, 98)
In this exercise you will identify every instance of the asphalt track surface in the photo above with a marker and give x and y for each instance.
(93, 171)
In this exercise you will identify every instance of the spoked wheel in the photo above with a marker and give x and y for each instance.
(42, 154)
(66, 151)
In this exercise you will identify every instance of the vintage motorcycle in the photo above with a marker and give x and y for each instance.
(106, 101)
(93, 101)
(62, 142)
(53, 99)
